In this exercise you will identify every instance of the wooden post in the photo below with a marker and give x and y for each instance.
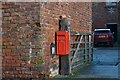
(69, 56)
(85, 48)
(64, 67)
(89, 48)
(92, 45)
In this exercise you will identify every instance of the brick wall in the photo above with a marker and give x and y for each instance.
(101, 15)
(21, 40)
(26, 44)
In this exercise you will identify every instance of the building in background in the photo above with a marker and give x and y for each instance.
(103, 13)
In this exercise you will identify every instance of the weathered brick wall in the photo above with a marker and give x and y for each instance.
(101, 15)
(26, 44)
(22, 46)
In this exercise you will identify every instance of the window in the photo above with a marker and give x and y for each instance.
(111, 3)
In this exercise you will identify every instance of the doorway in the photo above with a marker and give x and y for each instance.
(113, 28)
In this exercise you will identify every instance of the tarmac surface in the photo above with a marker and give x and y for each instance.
(105, 66)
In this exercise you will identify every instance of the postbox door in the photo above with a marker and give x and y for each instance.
(62, 43)
(61, 47)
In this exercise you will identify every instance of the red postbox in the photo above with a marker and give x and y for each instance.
(62, 42)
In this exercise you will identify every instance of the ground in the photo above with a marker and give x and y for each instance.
(105, 64)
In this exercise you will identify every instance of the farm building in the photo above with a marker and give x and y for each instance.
(28, 29)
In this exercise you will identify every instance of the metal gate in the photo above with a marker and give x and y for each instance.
(81, 46)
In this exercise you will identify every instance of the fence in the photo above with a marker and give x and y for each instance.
(81, 46)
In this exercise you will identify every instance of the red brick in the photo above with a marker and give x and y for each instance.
(6, 43)
(5, 6)
(6, 29)
(11, 47)
(18, 61)
(7, 14)
(15, 64)
(8, 57)
(10, 61)
(6, 18)
(15, 72)
(7, 50)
